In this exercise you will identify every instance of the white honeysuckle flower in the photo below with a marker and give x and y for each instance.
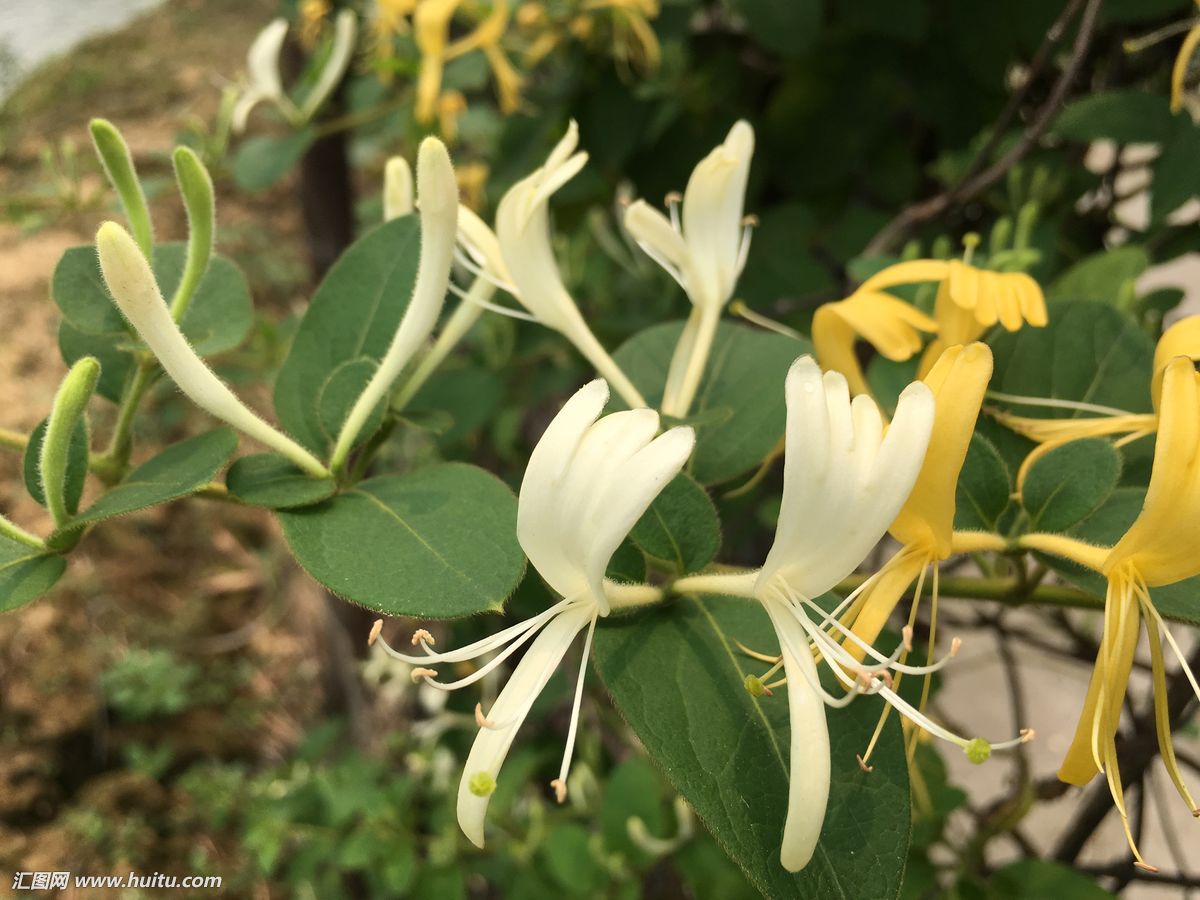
(437, 192)
(345, 33)
(705, 253)
(523, 233)
(846, 477)
(262, 72)
(135, 290)
(397, 189)
(587, 483)
(263, 80)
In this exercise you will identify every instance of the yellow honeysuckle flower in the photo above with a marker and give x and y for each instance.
(450, 106)
(431, 30)
(486, 38)
(313, 14)
(1181, 339)
(1158, 549)
(887, 323)
(925, 524)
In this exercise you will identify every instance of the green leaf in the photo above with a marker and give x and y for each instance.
(1103, 277)
(261, 161)
(437, 543)
(77, 465)
(1069, 483)
(569, 860)
(1088, 352)
(26, 574)
(1125, 116)
(353, 315)
(681, 526)
(1036, 879)
(218, 318)
(727, 752)
(739, 411)
(789, 28)
(115, 362)
(1176, 173)
(264, 479)
(1180, 601)
(181, 469)
(983, 489)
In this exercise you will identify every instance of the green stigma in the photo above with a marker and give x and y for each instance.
(754, 686)
(481, 784)
(978, 751)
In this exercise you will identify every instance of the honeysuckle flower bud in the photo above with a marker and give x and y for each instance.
(118, 166)
(845, 479)
(1181, 339)
(135, 290)
(345, 33)
(587, 483)
(397, 189)
(705, 253)
(1158, 549)
(262, 71)
(523, 232)
(70, 406)
(438, 202)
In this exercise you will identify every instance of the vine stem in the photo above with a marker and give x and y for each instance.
(111, 465)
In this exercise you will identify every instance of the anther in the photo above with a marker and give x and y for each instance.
(376, 627)
(419, 673)
(750, 220)
(1028, 734)
(480, 719)
(906, 634)
(482, 784)
(624, 202)
(955, 646)
(560, 790)
(672, 198)
(421, 635)
(862, 764)
(1146, 867)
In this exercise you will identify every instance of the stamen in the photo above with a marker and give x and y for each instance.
(1146, 867)
(671, 202)
(754, 654)
(376, 627)
(749, 223)
(739, 308)
(420, 636)
(470, 297)
(560, 790)
(471, 261)
(862, 764)
(665, 264)
(1057, 403)
(418, 673)
(480, 719)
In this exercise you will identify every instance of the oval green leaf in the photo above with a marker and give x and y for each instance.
(352, 316)
(677, 677)
(983, 488)
(739, 410)
(1069, 483)
(437, 543)
(264, 479)
(77, 465)
(26, 574)
(680, 527)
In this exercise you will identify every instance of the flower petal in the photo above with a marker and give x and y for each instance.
(510, 709)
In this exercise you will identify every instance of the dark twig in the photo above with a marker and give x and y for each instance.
(1164, 879)
(921, 212)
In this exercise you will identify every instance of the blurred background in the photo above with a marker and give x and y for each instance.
(189, 701)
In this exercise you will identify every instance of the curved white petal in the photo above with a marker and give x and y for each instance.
(626, 493)
(658, 237)
(844, 479)
(809, 765)
(510, 709)
(712, 212)
(537, 504)
(478, 238)
(397, 189)
(262, 60)
(345, 31)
